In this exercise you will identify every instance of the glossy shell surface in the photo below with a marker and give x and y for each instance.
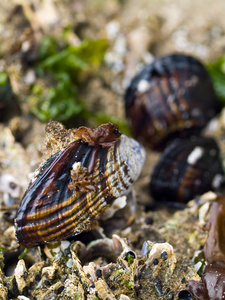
(171, 97)
(186, 169)
(75, 186)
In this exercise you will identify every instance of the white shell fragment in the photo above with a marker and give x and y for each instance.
(119, 203)
(20, 275)
(9, 185)
(157, 251)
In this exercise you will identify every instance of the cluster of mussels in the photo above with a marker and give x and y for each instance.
(168, 104)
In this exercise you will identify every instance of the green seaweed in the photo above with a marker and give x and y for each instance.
(60, 72)
(129, 258)
(21, 256)
(2, 265)
(217, 72)
(129, 285)
(3, 78)
(55, 95)
(59, 102)
(76, 295)
(73, 58)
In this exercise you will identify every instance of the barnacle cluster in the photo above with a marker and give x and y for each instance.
(104, 269)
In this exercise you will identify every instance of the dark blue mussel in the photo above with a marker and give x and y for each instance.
(186, 168)
(171, 97)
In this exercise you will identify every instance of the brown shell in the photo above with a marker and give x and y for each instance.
(76, 184)
(171, 97)
(185, 169)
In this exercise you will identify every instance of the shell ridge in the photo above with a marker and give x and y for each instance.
(74, 219)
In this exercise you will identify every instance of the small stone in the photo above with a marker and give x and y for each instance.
(164, 255)
(99, 273)
(149, 221)
(157, 284)
(184, 295)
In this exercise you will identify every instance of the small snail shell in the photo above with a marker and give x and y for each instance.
(171, 97)
(185, 169)
(75, 185)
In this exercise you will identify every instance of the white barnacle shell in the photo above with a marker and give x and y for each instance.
(20, 275)
(155, 251)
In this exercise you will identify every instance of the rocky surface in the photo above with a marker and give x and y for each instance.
(152, 252)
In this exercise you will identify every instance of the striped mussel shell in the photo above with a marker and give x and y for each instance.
(186, 168)
(75, 185)
(171, 97)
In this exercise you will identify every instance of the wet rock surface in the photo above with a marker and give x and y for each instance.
(145, 250)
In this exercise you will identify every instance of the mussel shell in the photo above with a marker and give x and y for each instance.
(50, 210)
(185, 169)
(171, 97)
